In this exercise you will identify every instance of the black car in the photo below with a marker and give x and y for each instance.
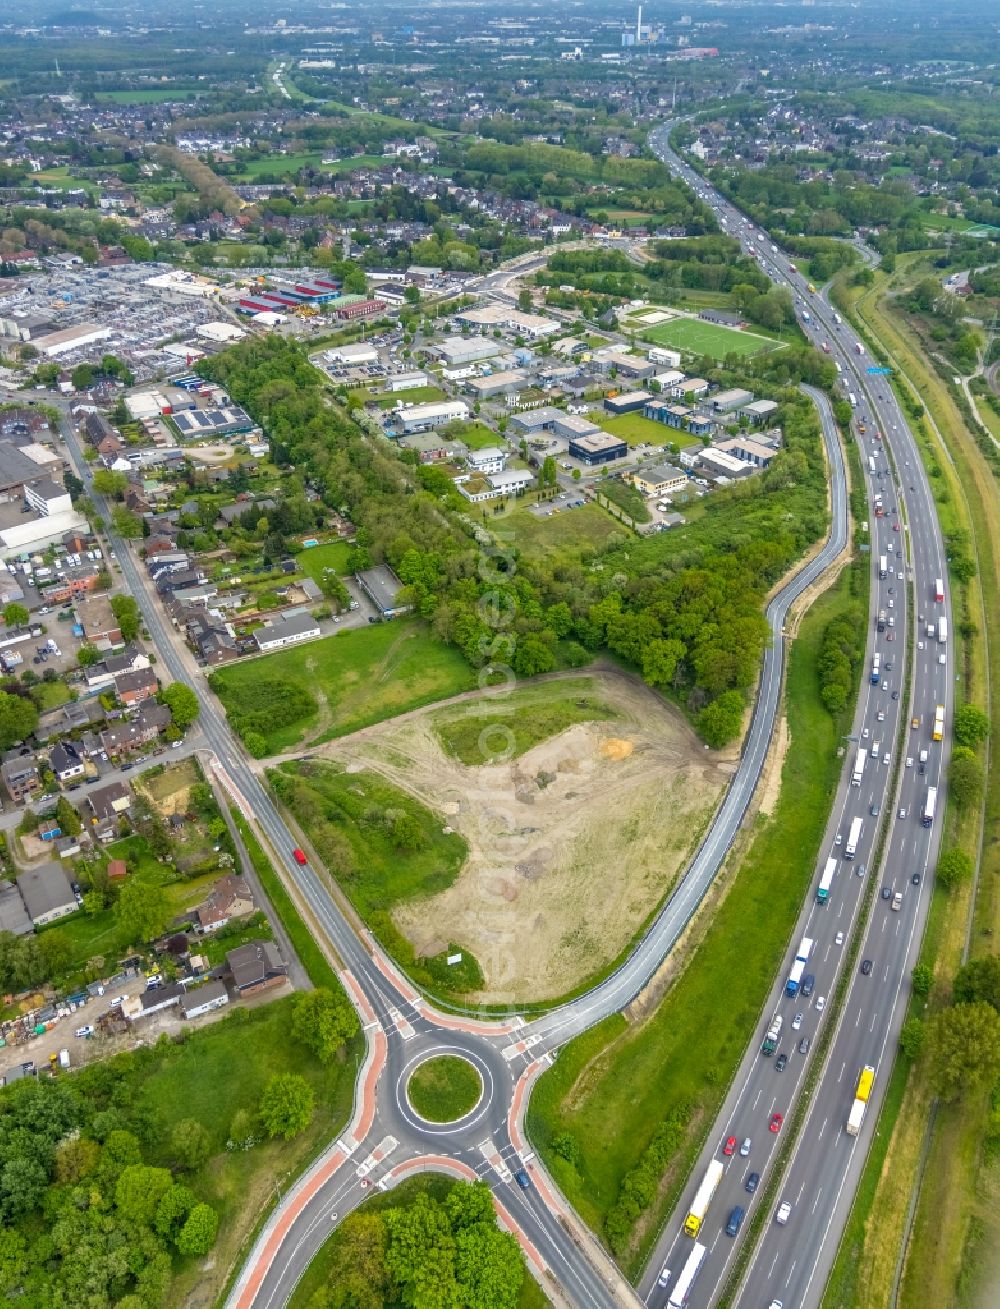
(895, 695)
(915, 879)
(886, 893)
(752, 1182)
(781, 1063)
(866, 968)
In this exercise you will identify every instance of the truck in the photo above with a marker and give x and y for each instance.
(692, 1267)
(930, 804)
(703, 1198)
(880, 621)
(852, 399)
(859, 766)
(939, 591)
(938, 732)
(876, 668)
(837, 319)
(871, 464)
(799, 966)
(792, 268)
(861, 1097)
(942, 630)
(806, 316)
(883, 567)
(770, 1043)
(853, 837)
(859, 347)
(64, 1059)
(826, 881)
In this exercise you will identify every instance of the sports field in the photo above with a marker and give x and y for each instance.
(692, 336)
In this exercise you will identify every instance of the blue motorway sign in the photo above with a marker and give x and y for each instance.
(879, 372)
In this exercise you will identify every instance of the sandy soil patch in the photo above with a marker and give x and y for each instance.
(571, 846)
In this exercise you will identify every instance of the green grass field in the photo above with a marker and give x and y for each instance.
(279, 165)
(343, 682)
(567, 532)
(151, 97)
(444, 1089)
(692, 336)
(475, 434)
(637, 430)
(529, 715)
(414, 395)
(64, 180)
(612, 1087)
(333, 555)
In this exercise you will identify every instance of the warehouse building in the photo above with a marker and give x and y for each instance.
(420, 418)
(467, 350)
(598, 448)
(658, 479)
(382, 587)
(202, 424)
(573, 426)
(71, 338)
(508, 382)
(726, 401)
(759, 410)
(629, 402)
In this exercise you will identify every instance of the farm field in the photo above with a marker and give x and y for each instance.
(692, 336)
(334, 686)
(636, 430)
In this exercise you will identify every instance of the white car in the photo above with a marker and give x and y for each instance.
(920, 645)
(881, 715)
(84, 1032)
(820, 1003)
(664, 1276)
(865, 734)
(909, 761)
(784, 1210)
(942, 659)
(839, 839)
(797, 1022)
(839, 939)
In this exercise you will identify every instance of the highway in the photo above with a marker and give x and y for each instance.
(791, 1262)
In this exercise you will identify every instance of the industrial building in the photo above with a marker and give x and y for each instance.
(508, 382)
(467, 350)
(382, 587)
(759, 410)
(71, 338)
(201, 424)
(419, 418)
(629, 402)
(598, 448)
(726, 401)
(721, 464)
(361, 309)
(659, 479)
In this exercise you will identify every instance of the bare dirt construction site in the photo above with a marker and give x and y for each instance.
(572, 844)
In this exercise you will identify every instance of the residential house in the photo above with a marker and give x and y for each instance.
(202, 1000)
(117, 870)
(66, 762)
(134, 687)
(100, 626)
(21, 776)
(46, 893)
(131, 734)
(228, 899)
(287, 629)
(256, 965)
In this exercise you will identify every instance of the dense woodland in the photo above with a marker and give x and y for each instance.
(684, 608)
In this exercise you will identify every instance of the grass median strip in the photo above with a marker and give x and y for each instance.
(445, 1089)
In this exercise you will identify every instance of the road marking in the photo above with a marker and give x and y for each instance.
(402, 1025)
(816, 1201)
(381, 1152)
(770, 1271)
(822, 1129)
(857, 1020)
(493, 1159)
(798, 1198)
(790, 1271)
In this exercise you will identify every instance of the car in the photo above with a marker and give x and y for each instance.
(735, 1220)
(892, 604)
(886, 757)
(820, 1003)
(730, 1146)
(865, 734)
(804, 1045)
(886, 893)
(299, 856)
(781, 1063)
(775, 1304)
(902, 811)
(866, 967)
(752, 1182)
(839, 939)
(797, 1022)
(915, 879)
(881, 715)
(895, 695)
(839, 839)
(942, 659)
(774, 1124)
(888, 663)
(895, 526)
(909, 761)
(920, 645)
(522, 1179)
(664, 1276)
(873, 810)
(745, 1147)
(782, 1216)
(84, 1032)
(915, 721)
(119, 999)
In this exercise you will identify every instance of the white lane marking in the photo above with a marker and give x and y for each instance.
(822, 1129)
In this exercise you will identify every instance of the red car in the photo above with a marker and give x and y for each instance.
(730, 1146)
(775, 1123)
(299, 856)
(895, 527)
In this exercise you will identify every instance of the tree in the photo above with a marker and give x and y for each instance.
(421, 1253)
(126, 523)
(82, 377)
(15, 615)
(67, 817)
(911, 1038)
(953, 866)
(87, 656)
(323, 1022)
(18, 719)
(190, 1142)
(173, 1209)
(286, 1107)
(963, 1046)
(921, 980)
(532, 657)
(720, 722)
(972, 725)
(182, 703)
(126, 610)
(139, 1190)
(142, 911)
(965, 779)
(110, 483)
(979, 981)
(411, 294)
(524, 301)
(198, 1233)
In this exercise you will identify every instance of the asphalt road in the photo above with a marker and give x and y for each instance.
(791, 1262)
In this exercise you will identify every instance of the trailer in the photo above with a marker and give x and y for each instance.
(930, 804)
(876, 669)
(938, 731)
(942, 630)
(939, 591)
(859, 766)
(799, 966)
(703, 1198)
(692, 1267)
(770, 1042)
(853, 837)
(883, 567)
(826, 881)
(861, 1097)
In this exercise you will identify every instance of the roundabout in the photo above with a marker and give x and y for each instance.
(444, 1089)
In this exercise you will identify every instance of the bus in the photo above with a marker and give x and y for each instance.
(859, 766)
(876, 661)
(930, 804)
(939, 591)
(826, 881)
(852, 399)
(703, 1198)
(938, 732)
(692, 1267)
(883, 567)
(853, 837)
(799, 966)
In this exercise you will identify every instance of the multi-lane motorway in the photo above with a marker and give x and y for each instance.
(790, 1261)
